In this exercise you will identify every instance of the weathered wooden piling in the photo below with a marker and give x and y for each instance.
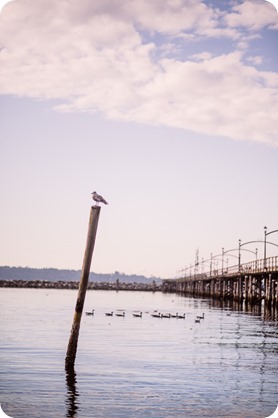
(91, 236)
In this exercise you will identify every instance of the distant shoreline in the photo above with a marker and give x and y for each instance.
(58, 275)
(61, 284)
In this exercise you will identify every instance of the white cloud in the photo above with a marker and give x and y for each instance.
(216, 96)
(103, 56)
(257, 60)
(252, 14)
(172, 16)
(201, 56)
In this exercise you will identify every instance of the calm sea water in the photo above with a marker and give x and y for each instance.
(224, 366)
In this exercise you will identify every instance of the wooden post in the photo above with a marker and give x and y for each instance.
(91, 236)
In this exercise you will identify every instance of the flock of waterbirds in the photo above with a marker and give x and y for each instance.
(154, 314)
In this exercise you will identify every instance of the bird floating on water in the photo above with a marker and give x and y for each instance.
(90, 313)
(165, 315)
(137, 315)
(109, 313)
(120, 314)
(98, 198)
(156, 315)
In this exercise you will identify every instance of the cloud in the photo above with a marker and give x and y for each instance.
(127, 60)
(251, 15)
(172, 16)
(218, 96)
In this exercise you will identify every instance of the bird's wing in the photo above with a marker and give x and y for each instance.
(101, 199)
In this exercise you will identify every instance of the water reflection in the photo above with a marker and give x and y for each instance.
(72, 393)
(129, 368)
(271, 313)
(262, 309)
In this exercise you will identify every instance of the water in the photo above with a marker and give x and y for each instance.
(224, 366)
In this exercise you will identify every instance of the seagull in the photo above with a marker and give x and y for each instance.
(98, 198)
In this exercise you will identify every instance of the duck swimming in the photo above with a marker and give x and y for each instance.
(90, 313)
(120, 314)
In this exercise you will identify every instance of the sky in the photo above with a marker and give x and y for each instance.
(167, 109)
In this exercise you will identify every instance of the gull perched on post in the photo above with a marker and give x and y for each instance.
(98, 198)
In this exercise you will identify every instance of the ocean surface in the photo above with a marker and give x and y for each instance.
(224, 366)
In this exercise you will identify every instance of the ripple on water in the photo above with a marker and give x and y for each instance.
(226, 366)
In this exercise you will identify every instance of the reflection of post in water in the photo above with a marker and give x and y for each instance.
(271, 312)
(71, 401)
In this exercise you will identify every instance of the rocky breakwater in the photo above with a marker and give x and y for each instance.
(45, 284)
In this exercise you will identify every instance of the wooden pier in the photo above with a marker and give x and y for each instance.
(253, 282)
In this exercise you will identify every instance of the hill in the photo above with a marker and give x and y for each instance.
(55, 275)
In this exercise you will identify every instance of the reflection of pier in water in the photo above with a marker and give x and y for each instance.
(267, 312)
(250, 288)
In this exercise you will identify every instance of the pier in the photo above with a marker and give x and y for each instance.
(242, 286)
(251, 283)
